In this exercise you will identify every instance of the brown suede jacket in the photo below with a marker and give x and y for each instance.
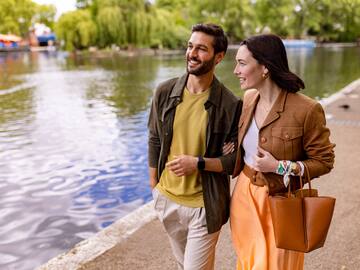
(223, 109)
(295, 129)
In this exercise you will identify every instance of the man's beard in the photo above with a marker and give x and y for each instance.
(202, 69)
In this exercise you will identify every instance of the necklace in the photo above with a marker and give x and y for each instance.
(265, 108)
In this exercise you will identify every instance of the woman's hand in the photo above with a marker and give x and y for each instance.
(228, 148)
(265, 162)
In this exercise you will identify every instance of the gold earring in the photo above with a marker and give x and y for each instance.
(265, 75)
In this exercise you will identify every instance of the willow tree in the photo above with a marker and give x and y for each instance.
(165, 32)
(112, 27)
(76, 29)
(236, 17)
(137, 14)
(138, 26)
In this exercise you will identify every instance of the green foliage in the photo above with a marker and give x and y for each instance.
(167, 23)
(76, 29)
(111, 25)
(273, 16)
(326, 19)
(165, 32)
(240, 19)
(349, 13)
(45, 14)
(16, 16)
(171, 5)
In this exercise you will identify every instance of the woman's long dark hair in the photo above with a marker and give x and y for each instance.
(269, 51)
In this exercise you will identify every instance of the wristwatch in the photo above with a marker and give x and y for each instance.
(201, 163)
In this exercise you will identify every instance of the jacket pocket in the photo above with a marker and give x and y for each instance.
(287, 142)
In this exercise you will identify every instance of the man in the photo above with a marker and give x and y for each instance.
(190, 119)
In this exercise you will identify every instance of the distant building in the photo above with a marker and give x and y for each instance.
(41, 35)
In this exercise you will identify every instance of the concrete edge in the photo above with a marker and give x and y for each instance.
(91, 248)
(343, 92)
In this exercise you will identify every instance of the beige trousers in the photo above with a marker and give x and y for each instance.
(192, 246)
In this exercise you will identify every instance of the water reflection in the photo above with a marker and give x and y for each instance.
(127, 90)
(324, 70)
(73, 140)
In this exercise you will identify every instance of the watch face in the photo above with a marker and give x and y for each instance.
(201, 163)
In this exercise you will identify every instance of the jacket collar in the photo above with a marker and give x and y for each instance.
(214, 95)
(250, 105)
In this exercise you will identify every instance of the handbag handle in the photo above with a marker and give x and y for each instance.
(301, 182)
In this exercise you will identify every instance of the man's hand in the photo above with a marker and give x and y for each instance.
(153, 177)
(153, 183)
(183, 165)
(264, 161)
(228, 148)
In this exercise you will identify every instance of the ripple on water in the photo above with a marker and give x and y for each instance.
(7, 258)
(85, 235)
(49, 233)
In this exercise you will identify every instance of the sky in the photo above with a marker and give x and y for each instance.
(61, 5)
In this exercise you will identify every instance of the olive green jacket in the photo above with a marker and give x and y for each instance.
(223, 109)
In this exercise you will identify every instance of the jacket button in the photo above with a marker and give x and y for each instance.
(263, 140)
(166, 133)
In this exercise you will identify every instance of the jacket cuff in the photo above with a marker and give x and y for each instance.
(228, 162)
(153, 158)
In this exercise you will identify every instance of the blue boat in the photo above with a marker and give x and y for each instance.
(299, 43)
(46, 39)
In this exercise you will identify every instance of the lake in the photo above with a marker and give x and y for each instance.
(73, 139)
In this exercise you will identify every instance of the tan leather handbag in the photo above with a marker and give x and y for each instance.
(301, 220)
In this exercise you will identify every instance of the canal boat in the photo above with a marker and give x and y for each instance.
(10, 43)
(299, 43)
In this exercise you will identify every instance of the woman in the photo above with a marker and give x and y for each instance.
(280, 132)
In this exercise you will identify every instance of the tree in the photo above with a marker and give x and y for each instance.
(16, 16)
(166, 23)
(76, 29)
(45, 14)
(273, 16)
(112, 27)
(350, 17)
(306, 15)
(240, 19)
(165, 32)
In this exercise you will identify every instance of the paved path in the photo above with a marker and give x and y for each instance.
(148, 248)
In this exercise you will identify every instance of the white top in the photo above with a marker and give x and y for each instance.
(250, 143)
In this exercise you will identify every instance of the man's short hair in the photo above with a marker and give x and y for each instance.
(220, 40)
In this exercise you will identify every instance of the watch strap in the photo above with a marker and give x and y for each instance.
(201, 163)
